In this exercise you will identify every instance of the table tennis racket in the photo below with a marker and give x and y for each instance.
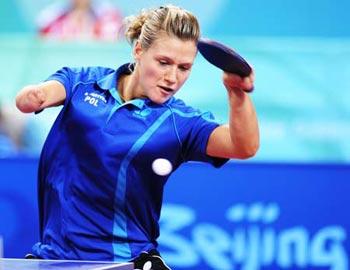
(224, 57)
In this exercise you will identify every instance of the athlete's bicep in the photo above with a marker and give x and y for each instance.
(220, 144)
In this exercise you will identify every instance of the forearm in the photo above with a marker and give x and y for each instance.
(29, 99)
(243, 124)
(37, 97)
(240, 138)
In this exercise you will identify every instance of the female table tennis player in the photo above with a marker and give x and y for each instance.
(98, 196)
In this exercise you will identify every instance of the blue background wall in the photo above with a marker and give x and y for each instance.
(243, 216)
(300, 51)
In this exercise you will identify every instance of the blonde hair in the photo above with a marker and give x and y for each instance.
(172, 20)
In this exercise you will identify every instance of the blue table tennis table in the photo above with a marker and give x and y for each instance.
(28, 264)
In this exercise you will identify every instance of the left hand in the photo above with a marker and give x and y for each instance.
(234, 82)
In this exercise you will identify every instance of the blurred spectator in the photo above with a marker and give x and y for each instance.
(81, 20)
(7, 145)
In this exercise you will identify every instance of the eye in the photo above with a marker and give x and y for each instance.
(184, 68)
(163, 62)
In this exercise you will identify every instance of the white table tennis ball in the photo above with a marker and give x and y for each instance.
(147, 266)
(162, 166)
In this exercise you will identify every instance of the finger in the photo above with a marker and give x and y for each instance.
(232, 80)
(246, 83)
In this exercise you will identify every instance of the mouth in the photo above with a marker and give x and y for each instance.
(166, 89)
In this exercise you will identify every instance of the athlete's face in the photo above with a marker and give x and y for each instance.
(164, 67)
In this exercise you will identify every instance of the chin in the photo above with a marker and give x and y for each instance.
(160, 100)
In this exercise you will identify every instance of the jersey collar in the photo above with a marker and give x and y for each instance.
(109, 83)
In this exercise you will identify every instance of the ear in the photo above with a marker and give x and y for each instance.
(137, 51)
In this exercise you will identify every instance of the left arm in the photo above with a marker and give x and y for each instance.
(240, 137)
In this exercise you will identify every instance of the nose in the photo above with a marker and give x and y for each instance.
(170, 75)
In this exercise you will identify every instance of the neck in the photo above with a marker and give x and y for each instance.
(125, 87)
(128, 87)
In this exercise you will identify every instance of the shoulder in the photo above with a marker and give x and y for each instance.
(182, 110)
(94, 71)
(180, 105)
(87, 73)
